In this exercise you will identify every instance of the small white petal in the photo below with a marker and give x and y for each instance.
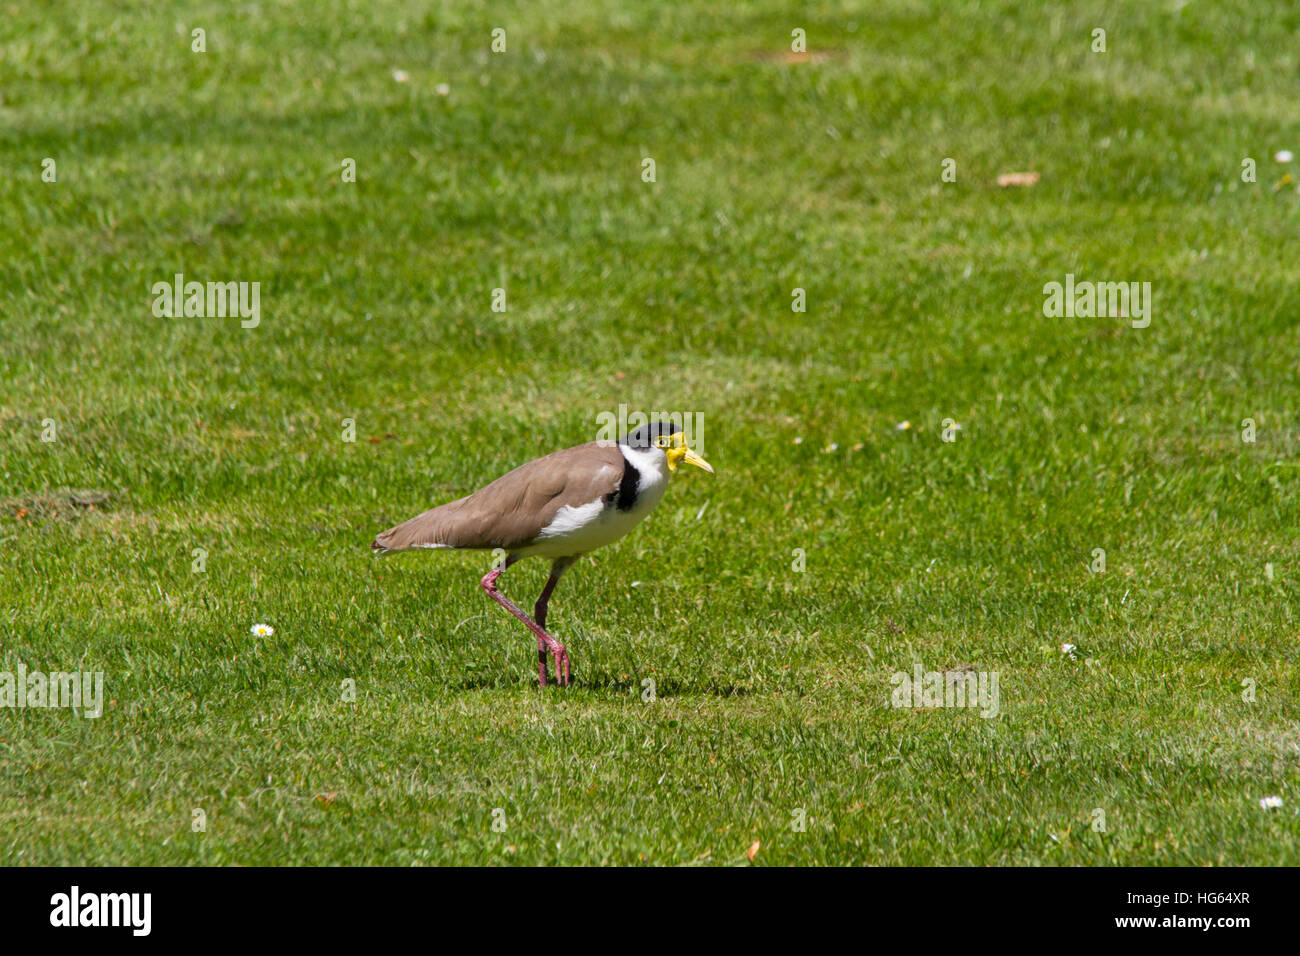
(401, 76)
(1283, 156)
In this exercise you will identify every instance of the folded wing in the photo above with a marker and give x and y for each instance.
(512, 511)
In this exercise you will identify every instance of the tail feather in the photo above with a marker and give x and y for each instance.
(435, 528)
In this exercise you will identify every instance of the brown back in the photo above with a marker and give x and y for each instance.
(512, 511)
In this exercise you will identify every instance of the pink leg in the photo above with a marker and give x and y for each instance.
(544, 640)
(539, 610)
(539, 615)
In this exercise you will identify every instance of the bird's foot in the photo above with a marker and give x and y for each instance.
(561, 655)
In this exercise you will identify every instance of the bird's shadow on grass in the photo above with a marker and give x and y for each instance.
(605, 683)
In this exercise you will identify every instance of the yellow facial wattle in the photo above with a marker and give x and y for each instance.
(679, 452)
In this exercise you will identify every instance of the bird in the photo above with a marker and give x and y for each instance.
(560, 506)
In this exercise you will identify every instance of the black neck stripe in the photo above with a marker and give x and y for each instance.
(627, 487)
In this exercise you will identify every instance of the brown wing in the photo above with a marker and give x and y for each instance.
(512, 511)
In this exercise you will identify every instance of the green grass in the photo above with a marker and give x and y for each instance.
(773, 686)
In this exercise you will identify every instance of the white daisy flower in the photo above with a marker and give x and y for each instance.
(261, 630)
(442, 89)
(1069, 649)
(903, 426)
(401, 76)
(1270, 803)
(1283, 156)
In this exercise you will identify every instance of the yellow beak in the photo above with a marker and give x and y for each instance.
(693, 459)
(678, 452)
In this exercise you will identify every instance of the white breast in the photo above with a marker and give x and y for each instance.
(595, 524)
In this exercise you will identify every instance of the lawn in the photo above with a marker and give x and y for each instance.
(167, 483)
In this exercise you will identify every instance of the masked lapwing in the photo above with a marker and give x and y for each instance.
(558, 507)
